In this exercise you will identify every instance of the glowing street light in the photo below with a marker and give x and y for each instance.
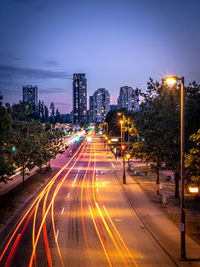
(193, 189)
(172, 81)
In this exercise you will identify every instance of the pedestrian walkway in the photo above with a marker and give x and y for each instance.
(156, 222)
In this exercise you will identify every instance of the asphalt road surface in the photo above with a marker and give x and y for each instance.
(82, 218)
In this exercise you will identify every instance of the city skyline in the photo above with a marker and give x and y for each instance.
(45, 43)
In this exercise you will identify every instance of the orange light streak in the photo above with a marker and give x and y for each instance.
(54, 231)
(53, 198)
(12, 252)
(101, 241)
(32, 205)
(111, 235)
(45, 232)
(128, 251)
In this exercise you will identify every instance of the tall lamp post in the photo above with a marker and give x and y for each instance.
(122, 123)
(172, 81)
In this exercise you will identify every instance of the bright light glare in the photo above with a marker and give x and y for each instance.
(121, 122)
(193, 189)
(89, 139)
(170, 80)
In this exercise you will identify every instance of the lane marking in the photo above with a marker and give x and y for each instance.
(62, 211)
(113, 165)
(74, 180)
(68, 195)
(120, 161)
(57, 233)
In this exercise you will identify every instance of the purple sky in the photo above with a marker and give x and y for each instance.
(116, 43)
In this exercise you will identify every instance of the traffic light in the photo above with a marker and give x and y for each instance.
(123, 147)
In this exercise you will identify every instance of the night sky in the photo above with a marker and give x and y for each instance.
(116, 43)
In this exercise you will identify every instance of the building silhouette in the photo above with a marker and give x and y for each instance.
(79, 98)
(30, 94)
(128, 99)
(99, 105)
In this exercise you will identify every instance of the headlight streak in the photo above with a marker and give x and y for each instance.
(128, 251)
(101, 241)
(108, 225)
(53, 221)
(54, 231)
(32, 207)
(111, 235)
(47, 211)
(82, 214)
(45, 231)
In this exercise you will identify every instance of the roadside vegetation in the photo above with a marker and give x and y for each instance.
(25, 142)
(155, 130)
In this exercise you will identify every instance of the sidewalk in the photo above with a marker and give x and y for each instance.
(157, 223)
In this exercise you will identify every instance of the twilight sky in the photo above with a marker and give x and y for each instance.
(115, 42)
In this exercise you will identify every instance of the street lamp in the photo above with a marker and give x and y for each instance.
(122, 123)
(172, 81)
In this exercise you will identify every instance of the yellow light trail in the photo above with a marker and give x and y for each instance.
(36, 199)
(101, 241)
(53, 198)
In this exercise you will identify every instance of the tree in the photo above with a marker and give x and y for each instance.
(6, 147)
(52, 107)
(192, 160)
(158, 123)
(57, 117)
(46, 113)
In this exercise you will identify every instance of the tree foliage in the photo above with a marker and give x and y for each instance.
(192, 159)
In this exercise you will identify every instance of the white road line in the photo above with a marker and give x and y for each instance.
(57, 233)
(110, 159)
(113, 165)
(74, 180)
(120, 161)
(62, 211)
(68, 195)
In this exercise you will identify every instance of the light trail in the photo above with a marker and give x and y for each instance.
(128, 251)
(35, 201)
(52, 200)
(55, 234)
(111, 229)
(45, 232)
(111, 235)
(101, 241)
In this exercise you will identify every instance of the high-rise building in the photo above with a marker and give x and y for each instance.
(91, 109)
(99, 105)
(79, 98)
(128, 99)
(30, 94)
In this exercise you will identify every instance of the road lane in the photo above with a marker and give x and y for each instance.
(82, 218)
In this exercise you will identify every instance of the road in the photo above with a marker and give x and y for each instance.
(82, 218)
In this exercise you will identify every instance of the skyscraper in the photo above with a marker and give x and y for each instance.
(99, 105)
(79, 98)
(128, 99)
(30, 94)
(91, 109)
